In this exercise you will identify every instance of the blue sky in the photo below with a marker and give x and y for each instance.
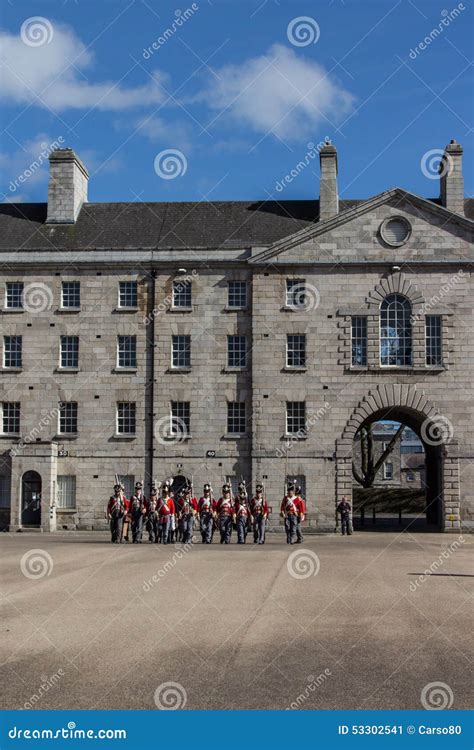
(239, 90)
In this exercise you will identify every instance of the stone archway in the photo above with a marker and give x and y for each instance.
(409, 405)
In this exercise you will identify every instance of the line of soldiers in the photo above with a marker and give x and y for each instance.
(168, 518)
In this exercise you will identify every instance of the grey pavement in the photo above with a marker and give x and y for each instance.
(345, 623)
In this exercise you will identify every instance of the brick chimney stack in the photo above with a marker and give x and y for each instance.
(328, 194)
(451, 179)
(67, 189)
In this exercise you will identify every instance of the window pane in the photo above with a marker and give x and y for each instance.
(181, 294)
(68, 417)
(180, 418)
(71, 294)
(69, 351)
(434, 353)
(12, 351)
(5, 492)
(126, 418)
(127, 351)
(66, 491)
(296, 293)
(14, 297)
(128, 294)
(237, 294)
(236, 417)
(181, 351)
(296, 418)
(236, 351)
(395, 331)
(359, 340)
(11, 417)
(296, 350)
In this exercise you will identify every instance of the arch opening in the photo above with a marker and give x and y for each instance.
(31, 487)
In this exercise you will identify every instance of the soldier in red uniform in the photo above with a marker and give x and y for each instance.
(115, 513)
(242, 513)
(225, 512)
(186, 511)
(259, 514)
(126, 518)
(151, 507)
(137, 512)
(289, 511)
(301, 505)
(166, 510)
(207, 514)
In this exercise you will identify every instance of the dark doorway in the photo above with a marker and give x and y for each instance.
(31, 499)
(179, 481)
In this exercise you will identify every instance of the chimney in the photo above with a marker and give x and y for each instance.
(451, 179)
(67, 189)
(328, 195)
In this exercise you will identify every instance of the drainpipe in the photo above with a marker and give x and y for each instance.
(150, 401)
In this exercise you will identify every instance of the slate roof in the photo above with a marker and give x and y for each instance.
(163, 225)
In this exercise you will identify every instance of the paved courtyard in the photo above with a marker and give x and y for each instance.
(345, 623)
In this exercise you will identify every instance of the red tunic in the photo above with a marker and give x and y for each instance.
(224, 507)
(191, 502)
(258, 505)
(166, 508)
(206, 505)
(114, 504)
(301, 506)
(289, 505)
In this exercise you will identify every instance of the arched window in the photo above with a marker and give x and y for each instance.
(395, 331)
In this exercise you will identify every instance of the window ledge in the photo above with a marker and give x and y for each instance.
(386, 368)
(235, 435)
(11, 369)
(229, 308)
(294, 436)
(180, 309)
(66, 310)
(124, 436)
(69, 511)
(10, 436)
(179, 437)
(13, 310)
(178, 370)
(235, 369)
(125, 309)
(67, 369)
(295, 368)
(126, 370)
(61, 436)
(292, 308)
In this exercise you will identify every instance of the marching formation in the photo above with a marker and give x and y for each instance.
(170, 517)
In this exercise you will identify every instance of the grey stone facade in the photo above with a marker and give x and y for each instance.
(347, 269)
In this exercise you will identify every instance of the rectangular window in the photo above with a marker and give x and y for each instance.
(126, 418)
(410, 476)
(388, 470)
(14, 297)
(296, 350)
(181, 351)
(66, 491)
(128, 481)
(296, 418)
(359, 340)
(71, 294)
(433, 331)
(180, 418)
(296, 293)
(237, 294)
(12, 351)
(236, 351)
(182, 294)
(126, 351)
(68, 417)
(236, 424)
(69, 352)
(11, 417)
(128, 296)
(5, 492)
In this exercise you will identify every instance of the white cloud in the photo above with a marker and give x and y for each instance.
(173, 134)
(280, 92)
(53, 75)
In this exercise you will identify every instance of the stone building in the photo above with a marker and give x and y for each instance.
(231, 339)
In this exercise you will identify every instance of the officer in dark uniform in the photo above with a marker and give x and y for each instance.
(115, 513)
(289, 511)
(152, 516)
(259, 511)
(137, 511)
(241, 513)
(344, 509)
(225, 512)
(207, 514)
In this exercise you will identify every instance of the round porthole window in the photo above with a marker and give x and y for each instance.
(395, 231)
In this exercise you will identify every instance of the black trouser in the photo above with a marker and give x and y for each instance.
(116, 528)
(242, 529)
(207, 527)
(299, 533)
(346, 525)
(137, 526)
(152, 526)
(290, 528)
(225, 527)
(187, 527)
(259, 525)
